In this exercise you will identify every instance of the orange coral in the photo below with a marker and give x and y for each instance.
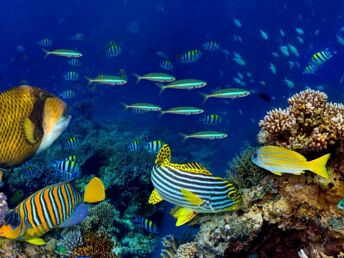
(95, 246)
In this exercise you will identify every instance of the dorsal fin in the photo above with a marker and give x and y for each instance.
(191, 167)
(164, 155)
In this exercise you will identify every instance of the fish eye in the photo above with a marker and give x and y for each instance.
(231, 195)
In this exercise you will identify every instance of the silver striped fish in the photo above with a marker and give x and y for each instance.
(191, 187)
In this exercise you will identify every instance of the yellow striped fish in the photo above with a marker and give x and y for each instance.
(191, 187)
(279, 160)
(56, 206)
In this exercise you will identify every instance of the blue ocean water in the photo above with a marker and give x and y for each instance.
(142, 28)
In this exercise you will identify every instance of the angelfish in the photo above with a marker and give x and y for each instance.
(56, 206)
(191, 187)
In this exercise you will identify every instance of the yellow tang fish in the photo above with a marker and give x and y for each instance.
(279, 160)
(56, 206)
(31, 120)
(191, 187)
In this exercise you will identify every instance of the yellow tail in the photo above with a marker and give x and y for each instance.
(318, 166)
(94, 191)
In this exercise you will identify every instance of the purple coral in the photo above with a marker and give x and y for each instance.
(3, 208)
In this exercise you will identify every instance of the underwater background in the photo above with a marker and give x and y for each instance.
(263, 47)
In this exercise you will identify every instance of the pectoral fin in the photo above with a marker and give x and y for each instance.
(276, 173)
(183, 216)
(191, 197)
(155, 197)
(35, 241)
(30, 131)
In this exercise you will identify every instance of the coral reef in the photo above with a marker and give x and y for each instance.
(281, 215)
(71, 240)
(95, 246)
(3, 207)
(178, 249)
(243, 172)
(309, 124)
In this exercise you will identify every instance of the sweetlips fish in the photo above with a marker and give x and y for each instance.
(279, 160)
(191, 187)
(56, 206)
(31, 120)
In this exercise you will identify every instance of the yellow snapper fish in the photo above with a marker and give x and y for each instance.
(279, 160)
(191, 187)
(31, 120)
(56, 206)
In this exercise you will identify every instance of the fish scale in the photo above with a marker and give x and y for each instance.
(15, 148)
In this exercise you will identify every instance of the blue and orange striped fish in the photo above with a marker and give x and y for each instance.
(191, 187)
(56, 206)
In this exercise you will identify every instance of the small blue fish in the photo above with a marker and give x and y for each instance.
(190, 56)
(72, 157)
(66, 169)
(71, 76)
(29, 170)
(113, 49)
(146, 224)
(74, 62)
(154, 146)
(211, 45)
(78, 37)
(45, 42)
(67, 94)
(212, 119)
(72, 142)
(166, 65)
(134, 146)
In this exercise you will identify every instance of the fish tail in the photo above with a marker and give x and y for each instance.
(46, 52)
(138, 77)
(89, 80)
(185, 136)
(205, 96)
(161, 86)
(318, 166)
(126, 106)
(94, 191)
(162, 112)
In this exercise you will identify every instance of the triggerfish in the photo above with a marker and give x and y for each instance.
(56, 206)
(31, 120)
(279, 160)
(191, 187)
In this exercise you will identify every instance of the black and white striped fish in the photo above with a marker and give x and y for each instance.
(191, 187)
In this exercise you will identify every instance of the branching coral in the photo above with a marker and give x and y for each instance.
(310, 123)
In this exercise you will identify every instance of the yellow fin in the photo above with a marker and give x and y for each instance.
(36, 241)
(30, 131)
(277, 173)
(94, 191)
(318, 166)
(191, 167)
(164, 155)
(191, 197)
(155, 197)
(184, 215)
